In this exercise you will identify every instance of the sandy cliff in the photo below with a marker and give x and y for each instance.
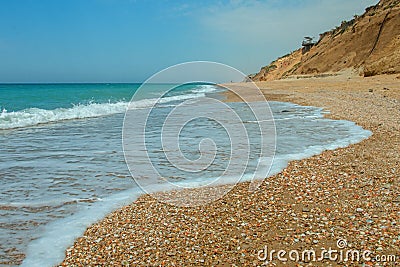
(368, 44)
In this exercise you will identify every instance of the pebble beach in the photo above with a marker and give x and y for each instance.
(350, 194)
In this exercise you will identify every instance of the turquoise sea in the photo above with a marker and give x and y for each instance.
(62, 165)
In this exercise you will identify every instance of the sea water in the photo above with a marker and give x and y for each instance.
(62, 165)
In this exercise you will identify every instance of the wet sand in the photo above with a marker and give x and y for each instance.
(350, 194)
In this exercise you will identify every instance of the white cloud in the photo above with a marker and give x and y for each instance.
(254, 21)
(256, 32)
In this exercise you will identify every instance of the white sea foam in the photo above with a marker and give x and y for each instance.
(145, 103)
(205, 89)
(35, 116)
(49, 249)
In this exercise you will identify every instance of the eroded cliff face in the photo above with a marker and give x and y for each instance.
(369, 44)
(279, 68)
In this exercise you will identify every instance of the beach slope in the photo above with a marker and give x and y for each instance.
(349, 194)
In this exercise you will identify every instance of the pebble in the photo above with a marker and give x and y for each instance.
(326, 188)
(387, 186)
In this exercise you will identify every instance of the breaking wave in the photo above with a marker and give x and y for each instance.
(35, 116)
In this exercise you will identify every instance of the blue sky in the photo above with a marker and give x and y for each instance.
(129, 40)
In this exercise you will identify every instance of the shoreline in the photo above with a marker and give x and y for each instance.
(349, 193)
